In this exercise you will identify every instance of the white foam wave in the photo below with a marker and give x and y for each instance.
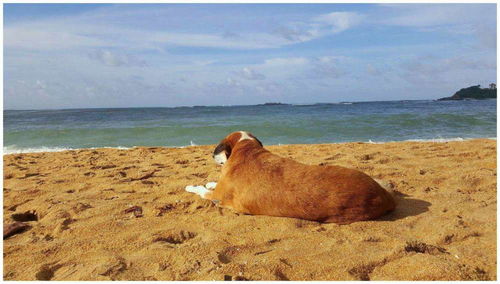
(438, 140)
(435, 140)
(13, 149)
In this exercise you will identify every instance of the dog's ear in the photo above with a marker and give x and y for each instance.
(222, 153)
(222, 147)
(251, 135)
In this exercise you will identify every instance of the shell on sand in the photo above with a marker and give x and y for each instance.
(444, 227)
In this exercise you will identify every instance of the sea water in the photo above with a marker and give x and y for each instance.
(54, 130)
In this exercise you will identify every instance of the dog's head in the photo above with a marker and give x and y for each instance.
(223, 150)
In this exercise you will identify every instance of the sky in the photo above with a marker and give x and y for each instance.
(165, 55)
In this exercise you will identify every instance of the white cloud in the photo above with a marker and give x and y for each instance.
(89, 30)
(422, 16)
(250, 74)
(204, 62)
(285, 61)
(40, 84)
(339, 21)
(249, 41)
(37, 38)
(460, 19)
(451, 70)
(298, 69)
(293, 33)
(319, 26)
(431, 66)
(372, 70)
(233, 82)
(57, 34)
(109, 58)
(328, 66)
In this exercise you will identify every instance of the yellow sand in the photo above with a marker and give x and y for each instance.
(444, 227)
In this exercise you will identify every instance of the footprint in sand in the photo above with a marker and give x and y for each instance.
(14, 207)
(80, 207)
(161, 166)
(25, 217)
(111, 266)
(200, 175)
(46, 272)
(61, 218)
(174, 237)
(64, 225)
(164, 209)
(27, 175)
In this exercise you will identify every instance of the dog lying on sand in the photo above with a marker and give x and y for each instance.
(255, 181)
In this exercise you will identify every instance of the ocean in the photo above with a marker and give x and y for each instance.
(424, 120)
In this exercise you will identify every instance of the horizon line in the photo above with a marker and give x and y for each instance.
(191, 106)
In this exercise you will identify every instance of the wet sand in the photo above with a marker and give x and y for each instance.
(76, 202)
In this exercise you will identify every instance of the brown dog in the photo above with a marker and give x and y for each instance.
(255, 181)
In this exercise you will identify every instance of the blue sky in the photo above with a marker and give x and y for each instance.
(140, 55)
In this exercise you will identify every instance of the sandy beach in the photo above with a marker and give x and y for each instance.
(76, 202)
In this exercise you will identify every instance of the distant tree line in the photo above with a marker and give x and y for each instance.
(474, 92)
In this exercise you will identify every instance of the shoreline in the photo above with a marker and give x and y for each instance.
(443, 228)
(7, 151)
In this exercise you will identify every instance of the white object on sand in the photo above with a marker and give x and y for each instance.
(200, 189)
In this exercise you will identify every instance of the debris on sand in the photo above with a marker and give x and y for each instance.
(137, 210)
(14, 228)
(164, 209)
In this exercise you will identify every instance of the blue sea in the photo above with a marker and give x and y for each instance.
(54, 130)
